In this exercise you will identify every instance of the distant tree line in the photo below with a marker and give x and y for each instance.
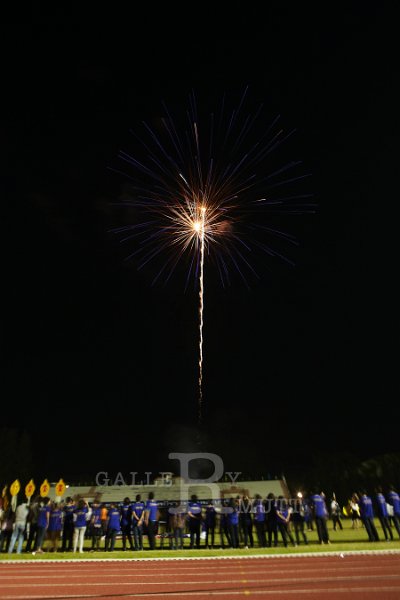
(345, 473)
(340, 472)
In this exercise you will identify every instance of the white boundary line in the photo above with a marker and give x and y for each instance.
(342, 554)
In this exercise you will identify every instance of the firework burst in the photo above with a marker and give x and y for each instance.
(211, 193)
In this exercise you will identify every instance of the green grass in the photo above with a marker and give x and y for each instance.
(341, 541)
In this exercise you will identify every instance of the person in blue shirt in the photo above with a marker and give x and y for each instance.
(393, 500)
(367, 516)
(126, 523)
(137, 522)
(233, 520)
(81, 514)
(151, 516)
(320, 514)
(113, 527)
(55, 526)
(43, 524)
(383, 515)
(96, 529)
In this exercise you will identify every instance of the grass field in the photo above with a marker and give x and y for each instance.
(344, 540)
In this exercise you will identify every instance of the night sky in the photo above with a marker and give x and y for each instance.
(100, 365)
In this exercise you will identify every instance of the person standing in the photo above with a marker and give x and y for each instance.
(6, 528)
(271, 520)
(308, 514)
(55, 526)
(137, 522)
(354, 511)
(194, 520)
(32, 524)
(126, 523)
(177, 522)
(336, 513)
(113, 527)
(383, 515)
(224, 524)
(68, 524)
(43, 524)
(80, 523)
(104, 520)
(298, 518)
(151, 516)
(320, 514)
(95, 526)
(233, 520)
(259, 520)
(21, 516)
(367, 516)
(283, 513)
(210, 519)
(246, 522)
(393, 500)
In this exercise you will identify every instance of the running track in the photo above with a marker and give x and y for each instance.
(361, 576)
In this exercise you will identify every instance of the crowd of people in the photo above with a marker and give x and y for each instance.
(45, 525)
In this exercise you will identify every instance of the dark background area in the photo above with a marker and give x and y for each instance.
(99, 366)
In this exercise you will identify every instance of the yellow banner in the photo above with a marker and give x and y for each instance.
(60, 488)
(29, 489)
(15, 487)
(44, 488)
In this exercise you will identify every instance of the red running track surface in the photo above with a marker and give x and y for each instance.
(330, 577)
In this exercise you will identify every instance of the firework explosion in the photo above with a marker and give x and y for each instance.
(212, 193)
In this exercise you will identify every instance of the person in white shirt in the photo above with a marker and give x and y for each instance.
(21, 515)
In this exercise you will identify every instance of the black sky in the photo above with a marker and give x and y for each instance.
(99, 365)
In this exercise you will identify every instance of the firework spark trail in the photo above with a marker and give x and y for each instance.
(201, 311)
